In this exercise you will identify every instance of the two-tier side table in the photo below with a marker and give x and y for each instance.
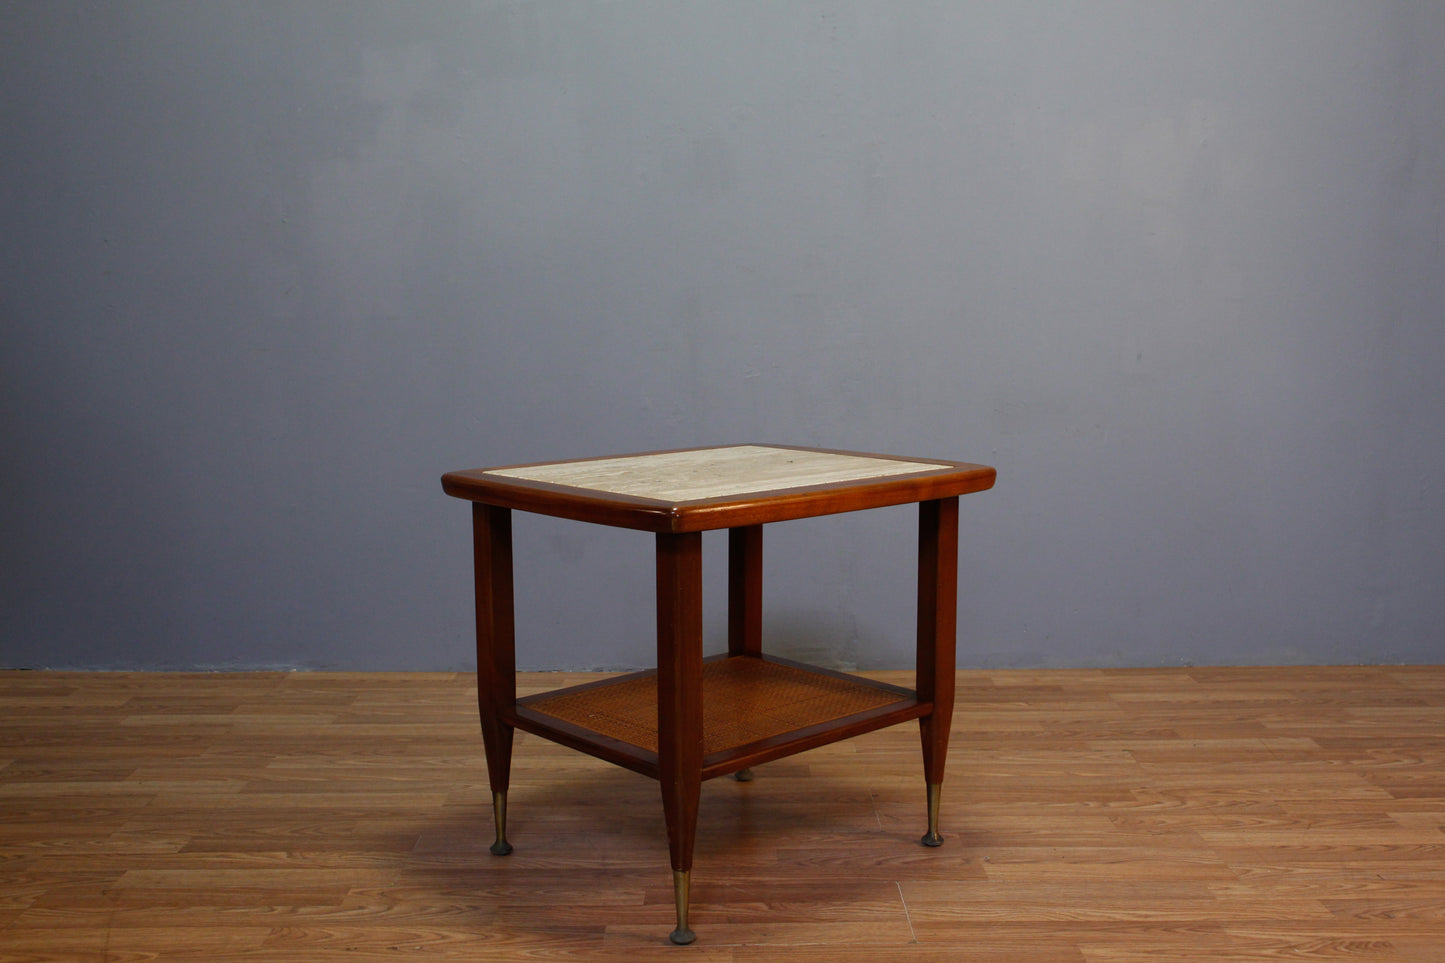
(693, 718)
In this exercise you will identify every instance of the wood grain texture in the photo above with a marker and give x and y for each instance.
(1093, 816)
(745, 700)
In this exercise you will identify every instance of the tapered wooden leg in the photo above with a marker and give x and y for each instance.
(496, 652)
(745, 599)
(937, 631)
(745, 590)
(679, 705)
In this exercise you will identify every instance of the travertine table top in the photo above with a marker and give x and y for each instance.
(680, 476)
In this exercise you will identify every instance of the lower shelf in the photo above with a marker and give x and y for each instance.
(754, 709)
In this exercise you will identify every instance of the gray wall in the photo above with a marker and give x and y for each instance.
(270, 269)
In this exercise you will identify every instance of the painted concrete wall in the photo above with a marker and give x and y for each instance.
(270, 269)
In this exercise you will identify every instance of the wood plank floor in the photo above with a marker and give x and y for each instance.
(1090, 816)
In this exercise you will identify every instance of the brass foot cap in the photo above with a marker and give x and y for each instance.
(682, 937)
(932, 839)
(501, 847)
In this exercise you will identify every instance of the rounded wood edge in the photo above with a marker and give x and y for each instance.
(652, 515)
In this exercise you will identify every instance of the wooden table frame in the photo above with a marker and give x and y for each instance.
(681, 759)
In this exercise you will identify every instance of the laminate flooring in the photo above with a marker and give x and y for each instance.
(1090, 816)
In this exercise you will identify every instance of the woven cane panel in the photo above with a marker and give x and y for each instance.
(744, 700)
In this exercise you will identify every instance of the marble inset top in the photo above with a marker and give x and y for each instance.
(681, 476)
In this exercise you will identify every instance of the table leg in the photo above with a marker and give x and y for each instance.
(745, 590)
(937, 637)
(496, 652)
(679, 705)
(745, 599)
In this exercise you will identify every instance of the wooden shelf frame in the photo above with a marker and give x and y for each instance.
(819, 706)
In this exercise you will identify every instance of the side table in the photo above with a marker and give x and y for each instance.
(693, 718)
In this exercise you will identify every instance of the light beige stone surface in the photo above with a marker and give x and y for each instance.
(715, 472)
